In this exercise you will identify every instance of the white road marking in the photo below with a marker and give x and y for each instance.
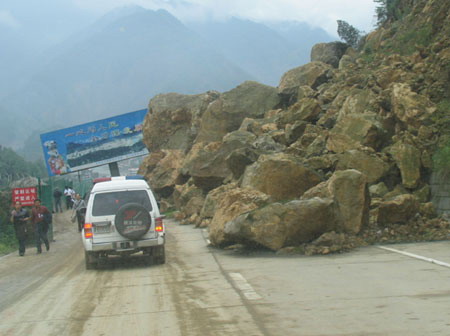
(244, 286)
(412, 255)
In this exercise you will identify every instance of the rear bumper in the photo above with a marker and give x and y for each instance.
(129, 245)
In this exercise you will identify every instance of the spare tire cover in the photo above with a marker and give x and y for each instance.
(132, 221)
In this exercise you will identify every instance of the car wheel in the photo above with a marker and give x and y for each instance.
(159, 254)
(90, 260)
(132, 221)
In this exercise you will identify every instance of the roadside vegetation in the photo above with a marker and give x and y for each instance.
(8, 242)
(13, 167)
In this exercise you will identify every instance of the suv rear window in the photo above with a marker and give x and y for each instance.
(106, 204)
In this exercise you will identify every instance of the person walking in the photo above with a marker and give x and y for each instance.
(57, 194)
(79, 210)
(68, 196)
(19, 218)
(39, 215)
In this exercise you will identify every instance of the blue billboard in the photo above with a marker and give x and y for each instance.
(94, 144)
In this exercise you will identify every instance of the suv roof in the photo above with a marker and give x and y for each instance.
(119, 183)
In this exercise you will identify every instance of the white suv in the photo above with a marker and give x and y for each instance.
(122, 218)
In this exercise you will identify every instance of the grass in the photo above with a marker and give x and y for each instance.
(7, 246)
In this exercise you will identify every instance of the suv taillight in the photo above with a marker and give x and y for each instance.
(159, 226)
(88, 230)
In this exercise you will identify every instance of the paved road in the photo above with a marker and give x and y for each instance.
(205, 291)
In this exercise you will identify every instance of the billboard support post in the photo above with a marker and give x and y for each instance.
(114, 169)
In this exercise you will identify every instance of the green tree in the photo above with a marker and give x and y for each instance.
(391, 10)
(14, 167)
(348, 33)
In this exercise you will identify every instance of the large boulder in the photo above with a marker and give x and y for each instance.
(278, 225)
(166, 172)
(150, 162)
(410, 107)
(398, 210)
(280, 175)
(173, 120)
(329, 53)
(370, 164)
(212, 199)
(407, 157)
(207, 163)
(355, 130)
(188, 198)
(224, 115)
(230, 204)
(306, 109)
(359, 102)
(349, 190)
(312, 74)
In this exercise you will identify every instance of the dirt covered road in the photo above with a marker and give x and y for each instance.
(53, 294)
(205, 291)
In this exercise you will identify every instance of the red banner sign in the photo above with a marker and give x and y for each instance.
(26, 196)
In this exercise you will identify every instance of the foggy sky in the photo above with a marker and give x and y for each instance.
(318, 13)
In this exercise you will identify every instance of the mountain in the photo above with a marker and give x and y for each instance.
(117, 67)
(116, 64)
(264, 50)
(25, 36)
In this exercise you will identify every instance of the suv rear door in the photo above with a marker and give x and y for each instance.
(105, 206)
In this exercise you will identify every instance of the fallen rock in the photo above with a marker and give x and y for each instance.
(224, 115)
(407, 158)
(410, 107)
(398, 210)
(231, 204)
(278, 225)
(281, 176)
(349, 190)
(329, 53)
(371, 165)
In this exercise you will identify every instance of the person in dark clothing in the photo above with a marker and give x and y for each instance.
(57, 194)
(38, 216)
(79, 210)
(19, 218)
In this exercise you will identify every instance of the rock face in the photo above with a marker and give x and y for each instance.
(342, 148)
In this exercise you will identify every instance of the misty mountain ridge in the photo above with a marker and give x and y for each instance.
(122, 60)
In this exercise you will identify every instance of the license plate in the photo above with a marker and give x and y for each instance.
(102, 229)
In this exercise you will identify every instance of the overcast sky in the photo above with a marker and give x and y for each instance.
(69, 13)
(322, 13)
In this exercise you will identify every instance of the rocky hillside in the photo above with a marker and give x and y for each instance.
(338, 155)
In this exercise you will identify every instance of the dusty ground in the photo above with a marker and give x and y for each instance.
(206, 291)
